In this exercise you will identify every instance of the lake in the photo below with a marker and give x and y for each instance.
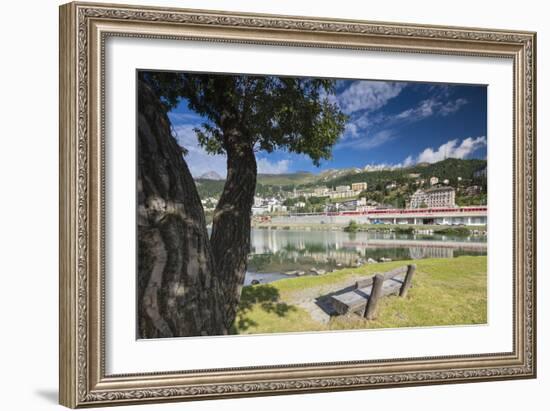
(276, 252)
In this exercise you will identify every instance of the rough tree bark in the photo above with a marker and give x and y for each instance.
(230, 237)
(179, 291)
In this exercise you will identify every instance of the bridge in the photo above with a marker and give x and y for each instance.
(419, 216)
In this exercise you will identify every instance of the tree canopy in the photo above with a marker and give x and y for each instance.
(263, 112)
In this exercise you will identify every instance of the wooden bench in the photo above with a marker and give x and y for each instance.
(363, 298)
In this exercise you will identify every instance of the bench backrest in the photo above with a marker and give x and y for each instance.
(367, 282)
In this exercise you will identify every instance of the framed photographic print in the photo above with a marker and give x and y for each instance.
(257, 204)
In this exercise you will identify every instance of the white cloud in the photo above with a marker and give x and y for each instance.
(452, 149)
(376, 140)
(430, 107)
(267, 167)
(368, 95)
(352, 130)
(388, 166)
(197, 159)
(362, 100)
(381, 166)
(408, 162)
(452, 106)
(424, 109)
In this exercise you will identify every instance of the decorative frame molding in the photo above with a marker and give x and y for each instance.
(83, 30)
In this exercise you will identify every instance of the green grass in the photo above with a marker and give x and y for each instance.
(456, 231)
(444, 292)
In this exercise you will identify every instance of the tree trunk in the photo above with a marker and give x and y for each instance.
(178, 293)
(230, 237)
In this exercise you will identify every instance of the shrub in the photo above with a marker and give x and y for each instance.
(352, 227)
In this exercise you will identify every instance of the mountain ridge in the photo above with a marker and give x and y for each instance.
(211, 175)
(450, 168)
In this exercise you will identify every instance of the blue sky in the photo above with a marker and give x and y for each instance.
(391, 124)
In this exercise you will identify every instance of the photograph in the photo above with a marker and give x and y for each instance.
(280, 204)
(264, 202)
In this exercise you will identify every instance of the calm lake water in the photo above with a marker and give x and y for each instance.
(276, 252)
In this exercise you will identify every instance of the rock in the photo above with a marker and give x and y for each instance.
(372, 261)
(254, 282)
(317, 271)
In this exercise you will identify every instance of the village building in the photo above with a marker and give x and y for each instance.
(433, 198)
(359, 186)
(342, 194)
(473, 190)
(301, 193)
(320, 191)
(353, 204)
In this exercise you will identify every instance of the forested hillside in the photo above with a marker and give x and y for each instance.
(451, 169)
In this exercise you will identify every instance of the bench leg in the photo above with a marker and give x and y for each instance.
(408, 280)
(371, 310)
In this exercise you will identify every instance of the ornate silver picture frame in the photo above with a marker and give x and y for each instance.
(84, 30)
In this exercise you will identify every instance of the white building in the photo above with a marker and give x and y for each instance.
(434, 181)
(433, 198)
(302, 193)
(258, 201)
(268, 208)
(342, 194)
(259, 210)
(359, 186)
(277, 208)
(320, 191)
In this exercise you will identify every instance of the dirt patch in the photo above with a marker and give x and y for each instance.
(308, 299)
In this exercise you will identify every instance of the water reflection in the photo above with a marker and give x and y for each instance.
(276, 252)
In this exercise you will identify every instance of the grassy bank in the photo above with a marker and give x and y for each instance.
(445, 292)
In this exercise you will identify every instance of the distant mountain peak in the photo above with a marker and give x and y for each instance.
(211, 175)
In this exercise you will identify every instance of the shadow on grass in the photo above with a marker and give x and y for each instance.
(324, 302)
(264, 297)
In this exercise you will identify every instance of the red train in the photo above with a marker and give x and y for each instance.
(402, 211)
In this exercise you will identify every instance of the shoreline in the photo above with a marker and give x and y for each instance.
(380, 228)
(313, 269)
